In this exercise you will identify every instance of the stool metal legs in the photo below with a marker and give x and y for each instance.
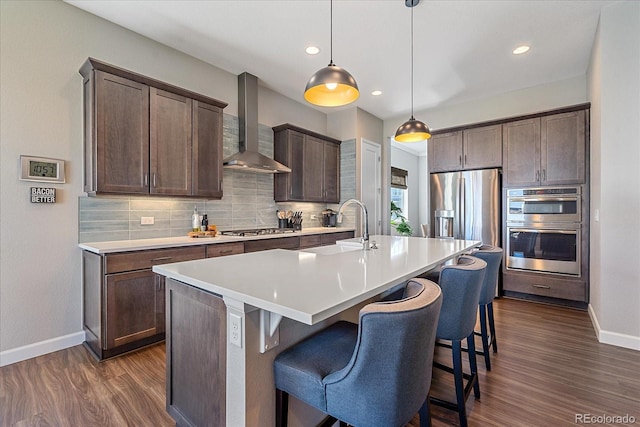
(488, 337)
(462, 390)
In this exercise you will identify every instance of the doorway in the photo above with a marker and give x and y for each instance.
(370, 184)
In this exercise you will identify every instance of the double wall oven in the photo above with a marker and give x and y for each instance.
(543, 230)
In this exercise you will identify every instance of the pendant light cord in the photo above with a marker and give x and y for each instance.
(412, 62)
(331, 36)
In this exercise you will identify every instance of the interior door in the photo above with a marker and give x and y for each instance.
(370, 184)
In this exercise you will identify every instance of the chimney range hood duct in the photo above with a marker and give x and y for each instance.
(249, 159)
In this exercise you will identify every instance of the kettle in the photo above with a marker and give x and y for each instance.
(329, 218)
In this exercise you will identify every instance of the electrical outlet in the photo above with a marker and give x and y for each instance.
(147, 220)
(314, 217)
(235, 329)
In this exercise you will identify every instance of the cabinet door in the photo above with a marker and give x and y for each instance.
(207, 150)
(196, 356)
(122, 135)
(445, 152)
(521, 148)
(482, 147)
(313, 166)
(331, 172)
(160, 303)
(563, 148)
(130, 308)
(170, 143)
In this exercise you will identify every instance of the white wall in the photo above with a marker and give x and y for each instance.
(43, 44)
(525, 101)
(614, 91)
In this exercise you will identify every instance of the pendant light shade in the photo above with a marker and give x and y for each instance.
(331, 86)
(412, 130)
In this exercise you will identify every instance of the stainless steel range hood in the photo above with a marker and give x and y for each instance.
(248, 159)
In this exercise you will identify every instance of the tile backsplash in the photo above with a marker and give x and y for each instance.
(247, 202)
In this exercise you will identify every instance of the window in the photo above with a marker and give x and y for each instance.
(399, 192)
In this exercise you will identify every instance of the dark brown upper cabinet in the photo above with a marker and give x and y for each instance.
(474, 148)
(314, 160)
(548, 150)
(143, 136)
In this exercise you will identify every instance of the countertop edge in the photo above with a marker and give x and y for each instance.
(106, 247)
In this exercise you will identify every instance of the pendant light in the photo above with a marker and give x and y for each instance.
(331, 86)
(412, 130)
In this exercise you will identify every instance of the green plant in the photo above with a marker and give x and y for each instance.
(399, 221)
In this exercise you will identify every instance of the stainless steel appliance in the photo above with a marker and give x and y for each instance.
(466, 205)
(329, 218)
(533, 205)
(544, 230)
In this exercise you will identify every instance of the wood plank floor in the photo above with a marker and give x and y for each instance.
(549, 368)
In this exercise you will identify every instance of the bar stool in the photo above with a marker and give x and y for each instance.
(461, 284)
(377, 373)
(492, 255)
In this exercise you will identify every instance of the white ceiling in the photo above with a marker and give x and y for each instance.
(462, 49)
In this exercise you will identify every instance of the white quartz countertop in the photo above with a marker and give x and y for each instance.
(310, 285)
(168, 242)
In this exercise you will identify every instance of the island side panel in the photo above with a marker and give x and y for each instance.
(196, 355)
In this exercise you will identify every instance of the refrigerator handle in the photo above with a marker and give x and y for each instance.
(463, 209)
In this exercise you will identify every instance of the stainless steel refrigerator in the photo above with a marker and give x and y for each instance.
(466, 205)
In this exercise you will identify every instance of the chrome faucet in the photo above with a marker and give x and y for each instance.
(365, 234)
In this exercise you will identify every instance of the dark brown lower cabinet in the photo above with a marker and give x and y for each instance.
(131, 301)
(124, 301)
(196, 356)
(332, 238)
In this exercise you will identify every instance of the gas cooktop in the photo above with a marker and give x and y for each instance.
(256, 231)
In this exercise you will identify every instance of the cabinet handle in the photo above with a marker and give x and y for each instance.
(164, 258)
(544, 174)
(537, 175)
(542, 286)
(146, 179)
(154, 180)
(465, 159)
(460, 160)
(226, 251)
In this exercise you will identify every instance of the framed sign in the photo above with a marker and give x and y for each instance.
(41, 169)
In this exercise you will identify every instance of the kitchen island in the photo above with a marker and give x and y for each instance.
(228, 318)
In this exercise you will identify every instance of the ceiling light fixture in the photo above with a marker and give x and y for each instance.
(312, 50)
(331, 86)
(376, 93)
(412, 130)
(521, 49)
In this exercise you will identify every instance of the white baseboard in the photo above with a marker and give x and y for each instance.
(39, 348)
(613, 338)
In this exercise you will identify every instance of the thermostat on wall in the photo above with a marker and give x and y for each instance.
(41, 169)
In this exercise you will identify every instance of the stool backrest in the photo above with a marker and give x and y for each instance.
(492, 255)
(461, 284)
(389, 374)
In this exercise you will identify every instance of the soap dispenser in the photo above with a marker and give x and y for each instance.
(195, 220)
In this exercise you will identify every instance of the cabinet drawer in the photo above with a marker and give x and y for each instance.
(277, 243)
(545, 285)
(128, 261)
(225, 249)
(310, 241)
(332, 238)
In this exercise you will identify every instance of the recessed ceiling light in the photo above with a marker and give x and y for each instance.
(521, 49)
(376, 93)
(312, 50)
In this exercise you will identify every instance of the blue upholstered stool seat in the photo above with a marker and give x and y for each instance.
(301, 370)
(374, 374)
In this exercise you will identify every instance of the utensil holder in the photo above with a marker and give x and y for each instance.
(283, 223)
